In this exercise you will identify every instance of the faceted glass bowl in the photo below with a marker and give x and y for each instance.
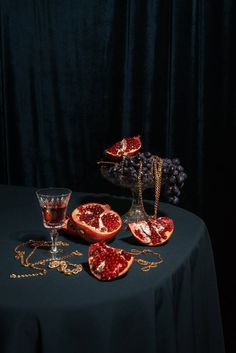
(136, 212)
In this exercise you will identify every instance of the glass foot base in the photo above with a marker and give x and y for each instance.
(133, 215)
(54, 251)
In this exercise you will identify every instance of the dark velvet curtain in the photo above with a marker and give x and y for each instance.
(77, 76)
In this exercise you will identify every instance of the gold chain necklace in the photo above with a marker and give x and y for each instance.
(157, 179)
(146, 265)
(157, 164)
(58, 263)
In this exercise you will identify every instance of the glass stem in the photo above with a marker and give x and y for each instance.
(54, 236)
(136, 202)
(136, 212)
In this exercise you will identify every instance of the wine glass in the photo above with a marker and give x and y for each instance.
(53, 203)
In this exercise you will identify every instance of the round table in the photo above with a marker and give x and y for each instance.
(172, 308)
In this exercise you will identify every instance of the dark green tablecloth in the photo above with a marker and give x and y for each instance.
(173, 308)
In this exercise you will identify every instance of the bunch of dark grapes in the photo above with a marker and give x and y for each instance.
(173, 178)
(125, 173)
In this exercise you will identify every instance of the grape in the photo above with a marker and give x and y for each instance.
(126, 163)
(176, 161)
(169, 190)
(175, 172)
(164, 170)
(175, 200)
(176, 190)
(147, 154)
(172, 179)
(171, 169)
(180, 179)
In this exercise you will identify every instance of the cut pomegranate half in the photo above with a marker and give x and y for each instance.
(107, 263)
(126, 147)
(154, 231)
(96, 222)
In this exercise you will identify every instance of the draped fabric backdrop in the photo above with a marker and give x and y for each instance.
(77, 76)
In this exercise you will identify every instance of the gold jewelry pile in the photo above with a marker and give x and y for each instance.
(58, 263)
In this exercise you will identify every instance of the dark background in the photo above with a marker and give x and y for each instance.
(77, 76)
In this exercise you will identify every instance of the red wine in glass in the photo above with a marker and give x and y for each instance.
(54, 216)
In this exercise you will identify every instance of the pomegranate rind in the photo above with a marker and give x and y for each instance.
(91, 233)
(71, 228)
(126, 147)
(98, 266)
(154, 231)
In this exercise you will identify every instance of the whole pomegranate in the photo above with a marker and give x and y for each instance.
(95, 222)
(107, 263)
(153, 232)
